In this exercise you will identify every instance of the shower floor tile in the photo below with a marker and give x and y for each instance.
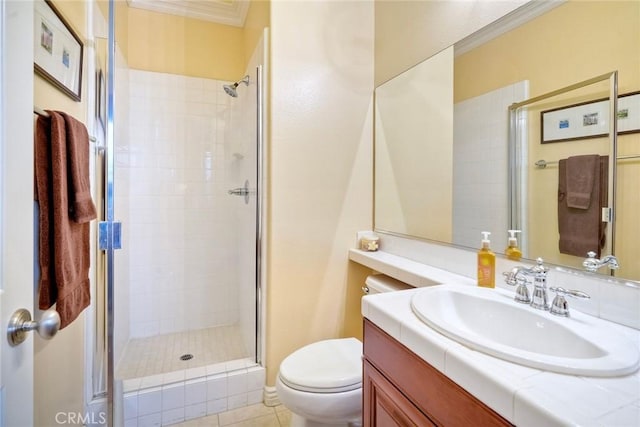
(161, 354)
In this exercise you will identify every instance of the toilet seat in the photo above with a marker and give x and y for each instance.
(330, 366)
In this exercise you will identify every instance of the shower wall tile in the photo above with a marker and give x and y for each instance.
(196, 391)
(195, 411)
(173, 416)
(237, 382)
(216, 406)
(234, 384)
(149, 401)
(173, 396)
(256, 378)
(237, 401)
(130, 407)
(254, 397)
(183, 238)
(480, 147)
(152, 420)
(216, 387)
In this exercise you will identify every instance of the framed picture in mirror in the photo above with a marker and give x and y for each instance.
(589, 119)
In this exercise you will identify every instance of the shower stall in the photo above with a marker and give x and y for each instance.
(188, 188)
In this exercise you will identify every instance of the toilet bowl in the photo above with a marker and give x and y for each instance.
(321, 383)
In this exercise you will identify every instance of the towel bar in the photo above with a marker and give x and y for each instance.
(39, 111)
(543, 163)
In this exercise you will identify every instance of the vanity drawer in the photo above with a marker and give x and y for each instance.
(439, 398)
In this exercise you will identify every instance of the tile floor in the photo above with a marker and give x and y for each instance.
(251, 416)
(160, 354)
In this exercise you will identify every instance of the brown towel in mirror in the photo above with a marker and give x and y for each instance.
(582, 172)
(582, 230)
(65, 205)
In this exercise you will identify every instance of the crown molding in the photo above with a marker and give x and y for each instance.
(520, 16)
(227, 12)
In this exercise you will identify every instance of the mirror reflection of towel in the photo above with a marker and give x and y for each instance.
(579, 210)
(581, 172)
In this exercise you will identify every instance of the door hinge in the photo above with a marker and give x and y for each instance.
(109, 235)
(607, 214)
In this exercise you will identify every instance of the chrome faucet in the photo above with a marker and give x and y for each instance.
(539, 274)
(559, 306)
(513, 278)
(592, 264)
(517, 277)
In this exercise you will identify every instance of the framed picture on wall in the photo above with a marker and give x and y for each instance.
(57, 50)
(590, 119)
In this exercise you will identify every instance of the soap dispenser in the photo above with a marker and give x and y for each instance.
(486, 263)
(513, 252)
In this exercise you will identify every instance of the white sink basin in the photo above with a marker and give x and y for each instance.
(490, 321)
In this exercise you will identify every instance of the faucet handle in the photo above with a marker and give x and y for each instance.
(513, 278)
(571, 292)
(559, 306)
(591, 263)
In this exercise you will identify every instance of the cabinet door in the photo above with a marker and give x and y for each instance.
(385, 405)
(434, 394)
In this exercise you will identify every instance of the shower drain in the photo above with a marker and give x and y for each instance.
(186, 357)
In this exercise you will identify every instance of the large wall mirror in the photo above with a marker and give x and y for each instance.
(442, 168)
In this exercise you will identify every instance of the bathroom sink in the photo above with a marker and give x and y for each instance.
(490, 321)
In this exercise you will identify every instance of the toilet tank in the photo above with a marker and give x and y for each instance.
(378, 283)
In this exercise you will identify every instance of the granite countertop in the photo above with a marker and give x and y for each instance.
(524, 396)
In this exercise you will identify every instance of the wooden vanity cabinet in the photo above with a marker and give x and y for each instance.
(401, 389)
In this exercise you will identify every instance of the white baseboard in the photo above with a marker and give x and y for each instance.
(271, 396)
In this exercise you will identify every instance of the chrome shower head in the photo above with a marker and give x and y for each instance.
(231, 89)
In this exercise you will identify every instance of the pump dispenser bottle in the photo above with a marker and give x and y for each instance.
(513, 252)
(486, 263)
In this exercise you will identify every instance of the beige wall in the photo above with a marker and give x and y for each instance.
(256, 21)
(122, 26)
(320, 171)
(166, 43)
(59, 363)
(517, 56)
(178, 45)
(407, 32)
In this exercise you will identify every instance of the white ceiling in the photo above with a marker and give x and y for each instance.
(228, 12)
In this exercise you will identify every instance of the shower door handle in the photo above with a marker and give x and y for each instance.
(242, 191)
(239, 192)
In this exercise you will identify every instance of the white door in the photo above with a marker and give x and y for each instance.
(16, 206)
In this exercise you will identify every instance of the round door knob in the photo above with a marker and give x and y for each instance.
(21, 323)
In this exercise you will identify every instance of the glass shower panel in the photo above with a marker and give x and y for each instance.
(185, 293)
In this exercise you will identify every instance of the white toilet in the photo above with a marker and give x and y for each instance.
(321, 383)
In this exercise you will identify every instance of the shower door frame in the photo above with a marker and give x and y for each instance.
(109, 214)
(259, 208)
(516, 188)
(261, 199)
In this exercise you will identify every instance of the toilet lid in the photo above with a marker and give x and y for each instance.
(328, 366)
